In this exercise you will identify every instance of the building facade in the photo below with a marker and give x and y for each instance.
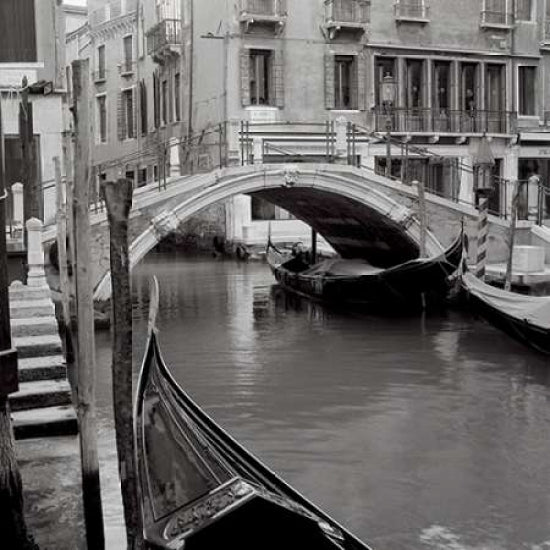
(32, 47)
(213, 82)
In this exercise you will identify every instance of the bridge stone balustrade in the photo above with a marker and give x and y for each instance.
(391, 205)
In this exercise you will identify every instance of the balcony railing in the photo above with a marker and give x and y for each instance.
(164, 38)
(437, 121)
(410, 10)
(498, 19)
(355, 12)
(264, 12)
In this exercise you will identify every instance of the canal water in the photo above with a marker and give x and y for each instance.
(425, 432)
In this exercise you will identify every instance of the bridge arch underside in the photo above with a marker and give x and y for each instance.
(347, 208)
(352, 228)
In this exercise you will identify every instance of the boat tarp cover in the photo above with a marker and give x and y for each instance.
(338, 267)
(533, 309)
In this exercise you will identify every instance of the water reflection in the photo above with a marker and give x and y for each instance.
(420, 432)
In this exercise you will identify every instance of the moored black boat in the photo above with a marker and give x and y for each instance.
(355, 282)
(201, 490)
(525, 318)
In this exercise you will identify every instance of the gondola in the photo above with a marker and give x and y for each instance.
(525, 318)
(354, 282)
(201, 490)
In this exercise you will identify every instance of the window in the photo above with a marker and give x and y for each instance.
(523, 10)
(345, 82)
(156, 99)
(102, 118)
(441, 98)
(143, 107)
(126, 113)
(262, 77)
(526, 90)
(17, 31)
(414, 83)
(468, 86)
(128, 46)
(495, 87)
(495, 12)
(177, 96)
(260, 61)
(165, 102)
(101, 62)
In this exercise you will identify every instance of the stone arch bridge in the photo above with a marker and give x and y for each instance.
(357, 211)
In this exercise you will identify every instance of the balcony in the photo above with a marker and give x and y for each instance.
(437, 121)
(346, 15)
(165, 39)
(267, 14)
(412, 11)
(496, 19)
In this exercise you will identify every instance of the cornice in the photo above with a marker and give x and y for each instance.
(124, 24)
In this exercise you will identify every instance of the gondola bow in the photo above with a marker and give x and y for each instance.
(201, 490)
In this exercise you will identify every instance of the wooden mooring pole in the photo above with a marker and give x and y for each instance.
(14, 531)
(93, 512)
(512, 236)
(118, 198)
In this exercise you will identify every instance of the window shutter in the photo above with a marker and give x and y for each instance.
(121, 124)
(329, 81)
(277, 79)
(245, 77)
(362, 82)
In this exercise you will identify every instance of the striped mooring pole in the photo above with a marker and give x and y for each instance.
(482, 232)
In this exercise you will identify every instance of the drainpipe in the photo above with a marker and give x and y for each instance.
(191, 48)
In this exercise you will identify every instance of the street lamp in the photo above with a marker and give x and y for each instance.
(388, 93)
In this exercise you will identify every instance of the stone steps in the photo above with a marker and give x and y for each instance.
(51, 367)
(20, 292)
(35, 326)
(28, 309)
(41, 393)
(37, 346)
(45, 422)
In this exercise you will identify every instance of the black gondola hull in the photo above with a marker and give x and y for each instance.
(400, 287)
(530, 335)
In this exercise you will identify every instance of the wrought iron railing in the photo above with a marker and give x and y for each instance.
(166, 33)
(348, 11)
(411, 9)
(495, 17)
(271, 8)
(435, 120)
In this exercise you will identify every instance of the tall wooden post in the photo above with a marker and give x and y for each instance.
(93, 513)
(118, 198)
(61, 222)
(31, 203)
(313, 246)
(422, 215)
(512, 236)
(14, 531)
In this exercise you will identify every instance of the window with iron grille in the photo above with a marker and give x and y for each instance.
(495, 12)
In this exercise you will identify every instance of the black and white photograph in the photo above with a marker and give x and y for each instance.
(275, 274)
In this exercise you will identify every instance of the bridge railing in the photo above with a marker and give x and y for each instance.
(246, 142)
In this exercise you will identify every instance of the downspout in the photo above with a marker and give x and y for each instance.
(191, 70)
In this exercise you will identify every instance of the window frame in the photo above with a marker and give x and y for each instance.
(255, 54)
(522, 86)
(127, 65)
(340, 60)
(101, 60)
